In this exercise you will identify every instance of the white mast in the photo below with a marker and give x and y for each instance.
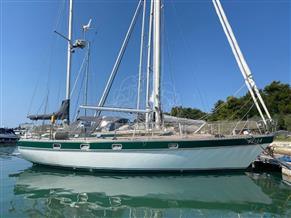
(69, 57)
(157, 62)
(141, 55)
(149, 63)
(87, 78)
(244, 68)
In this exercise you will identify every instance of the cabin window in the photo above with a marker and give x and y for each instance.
(116, 146)
(56, 146)
(84, 146)
(173, 145)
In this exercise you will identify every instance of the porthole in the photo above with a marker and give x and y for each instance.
(56, 146)
(173, 145)
(84, 146)
(116, 146)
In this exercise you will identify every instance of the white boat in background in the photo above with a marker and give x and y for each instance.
(7, 136)
(8, 140)
(155, 147)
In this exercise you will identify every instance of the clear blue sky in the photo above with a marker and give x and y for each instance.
(198, 65)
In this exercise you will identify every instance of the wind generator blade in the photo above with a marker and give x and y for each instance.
(87, 27)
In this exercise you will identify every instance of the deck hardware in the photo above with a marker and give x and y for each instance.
(116, 146)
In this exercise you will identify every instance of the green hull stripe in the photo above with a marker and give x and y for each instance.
(150, 144)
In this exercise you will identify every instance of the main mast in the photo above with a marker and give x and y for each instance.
(157, 62)
(69, 58)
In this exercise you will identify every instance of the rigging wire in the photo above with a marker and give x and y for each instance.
(222, 105)
(244, 114)
(245, 104)
(57, 22)
(83, 66)
(119, 59)
(90, 83)
(82, 69)
(79, 73)
(45, 107)
(41, 105)
(247, 112)
(170, 65)
(198, 90)
(170, 57)
(61, 10)
(78, 98)
(49, 72)
(187, 46)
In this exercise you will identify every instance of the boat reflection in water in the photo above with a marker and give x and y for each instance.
(56, 192)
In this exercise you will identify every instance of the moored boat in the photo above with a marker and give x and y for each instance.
(153, 147)
(8, 136)
(8, 140)
(147, 154)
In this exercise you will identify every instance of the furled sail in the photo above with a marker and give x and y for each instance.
(62, 114)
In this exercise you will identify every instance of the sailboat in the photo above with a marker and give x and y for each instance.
(154, 148)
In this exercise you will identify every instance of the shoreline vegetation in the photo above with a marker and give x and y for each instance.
(281, 138)
(276, 95)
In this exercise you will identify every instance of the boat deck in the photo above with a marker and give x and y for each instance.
(138, 138)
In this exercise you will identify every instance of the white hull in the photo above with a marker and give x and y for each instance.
(203, 158)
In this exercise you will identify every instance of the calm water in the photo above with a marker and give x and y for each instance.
(31, 191)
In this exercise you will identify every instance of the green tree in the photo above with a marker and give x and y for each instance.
(276, 95)
(190, 113)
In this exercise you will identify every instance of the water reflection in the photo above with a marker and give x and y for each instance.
(63, 193)
(6, 149)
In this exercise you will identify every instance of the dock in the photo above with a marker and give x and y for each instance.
(277, 157)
